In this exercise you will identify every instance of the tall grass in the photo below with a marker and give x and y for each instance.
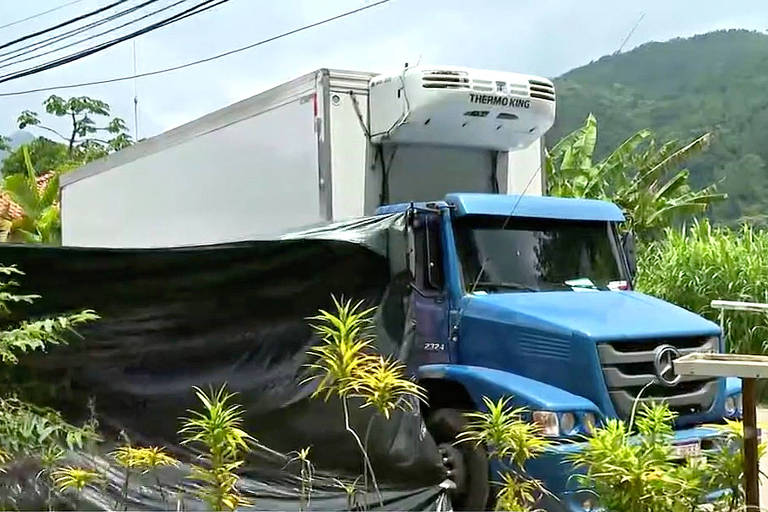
(693, 266)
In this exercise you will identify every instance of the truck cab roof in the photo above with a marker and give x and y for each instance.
(542, 207)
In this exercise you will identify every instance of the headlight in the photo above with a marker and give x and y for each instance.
(547, 422)
(734, 405)
(567, 423)
(590, 421)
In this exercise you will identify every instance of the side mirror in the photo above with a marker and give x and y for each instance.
(628, 247)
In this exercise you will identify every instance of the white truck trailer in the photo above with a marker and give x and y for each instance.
(328, 145)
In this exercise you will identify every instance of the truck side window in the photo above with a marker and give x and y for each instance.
(428, 269)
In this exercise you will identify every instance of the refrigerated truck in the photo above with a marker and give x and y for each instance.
(328, 145)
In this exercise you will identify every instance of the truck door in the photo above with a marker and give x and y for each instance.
(429, 301)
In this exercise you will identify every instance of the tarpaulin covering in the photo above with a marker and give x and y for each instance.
(235, 313)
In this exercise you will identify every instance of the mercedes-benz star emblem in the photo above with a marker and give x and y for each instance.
(663, 357)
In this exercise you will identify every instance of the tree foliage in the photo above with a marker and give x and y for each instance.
(41, 218)
(641, 176)
(82, 113)
(679, 89)
(45, 155)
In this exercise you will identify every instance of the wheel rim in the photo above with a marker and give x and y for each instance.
(455, 468)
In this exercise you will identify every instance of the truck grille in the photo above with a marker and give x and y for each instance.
(628, 367)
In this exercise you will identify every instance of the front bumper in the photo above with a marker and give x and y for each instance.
(556, 473)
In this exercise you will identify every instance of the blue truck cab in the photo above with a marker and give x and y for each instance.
(531, 297)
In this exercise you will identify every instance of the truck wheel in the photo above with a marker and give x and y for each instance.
(466, 464)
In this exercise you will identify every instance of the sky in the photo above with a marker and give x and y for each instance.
(544, 37)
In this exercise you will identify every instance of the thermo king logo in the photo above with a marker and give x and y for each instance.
(503, 101)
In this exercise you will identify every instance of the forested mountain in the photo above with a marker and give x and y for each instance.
(681, 88)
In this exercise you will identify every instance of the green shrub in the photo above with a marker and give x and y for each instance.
(694, 266)
(633, 468)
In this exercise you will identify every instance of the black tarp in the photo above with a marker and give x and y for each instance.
(235, 313)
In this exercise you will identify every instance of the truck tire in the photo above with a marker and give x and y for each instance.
(468, 464)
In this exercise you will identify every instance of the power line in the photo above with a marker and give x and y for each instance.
(65, 35)
(196, 62)
(39, 14)
(63, 24)
(80, 41)
(197, 9)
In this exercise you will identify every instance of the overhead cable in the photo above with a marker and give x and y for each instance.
(197, 9)
(62, 24)
(33, 16)
(17, 52)
(15, 59)
(196, 62)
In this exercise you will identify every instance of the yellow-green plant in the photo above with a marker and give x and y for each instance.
(517, 494)
(381, 385)
(345, 366)
(340, 360)
(351, 489)
(218, 429)
(76, 478)
(342, 356)
(144, 460)
(638, 473)
(506, 435)
(306, 473)
(726, 464)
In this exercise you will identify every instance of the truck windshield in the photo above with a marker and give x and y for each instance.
(537, 254)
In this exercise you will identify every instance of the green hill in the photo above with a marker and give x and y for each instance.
(681, 88)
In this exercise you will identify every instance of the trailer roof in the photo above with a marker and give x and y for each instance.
(337, 80)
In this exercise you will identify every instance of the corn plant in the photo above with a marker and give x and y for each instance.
(506, 435)
(693, 266)
(344, 366)
(218, 430)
